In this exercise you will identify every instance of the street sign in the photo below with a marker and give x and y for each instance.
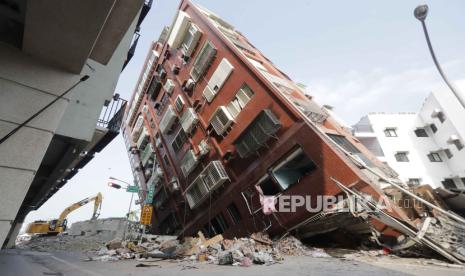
(132, 189)
(146, 215)
(149, 197)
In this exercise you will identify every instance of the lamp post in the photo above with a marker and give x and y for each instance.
(421, 13)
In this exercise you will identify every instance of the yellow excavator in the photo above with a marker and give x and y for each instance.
(53, 227)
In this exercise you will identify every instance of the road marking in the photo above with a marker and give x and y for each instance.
(76, 267)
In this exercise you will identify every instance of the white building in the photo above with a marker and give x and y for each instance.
(425, 147)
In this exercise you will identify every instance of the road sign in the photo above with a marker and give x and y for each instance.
(132, 189)
(146, 215)
(149, 197)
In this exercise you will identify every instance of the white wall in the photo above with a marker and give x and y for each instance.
(454, 124)
(419, 165)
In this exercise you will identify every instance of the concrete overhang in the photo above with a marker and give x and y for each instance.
(65, 33)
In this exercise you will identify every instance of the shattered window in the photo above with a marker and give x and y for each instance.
(292, 169)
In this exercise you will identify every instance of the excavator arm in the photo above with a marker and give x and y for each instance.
(59, 225)
(97, 206)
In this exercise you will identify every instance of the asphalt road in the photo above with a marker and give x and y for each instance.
(17, 262)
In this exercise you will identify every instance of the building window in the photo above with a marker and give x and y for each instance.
(234, 213)
(402, 156)
(390, 132)
(257, 134)
(433, 127)
(243, 96)
(441, 117)
(179, 141)
(421, 132)
(434, 157)
(448, 153)
(292, 169)
(203, 60)
(217, 226)
(463, 180)
(191, 39)
(458, 144)
(344, 143)
(414, 181)
(269, 187)
(448, 183)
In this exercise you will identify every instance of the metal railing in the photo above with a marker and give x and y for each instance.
(112, 113)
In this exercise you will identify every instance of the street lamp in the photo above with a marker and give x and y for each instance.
(421, 13)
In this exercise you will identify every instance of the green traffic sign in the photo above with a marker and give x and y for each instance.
(132, 189)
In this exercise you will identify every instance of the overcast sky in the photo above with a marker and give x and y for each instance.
(358, 56)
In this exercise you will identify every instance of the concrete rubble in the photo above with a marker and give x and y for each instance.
(256, 249)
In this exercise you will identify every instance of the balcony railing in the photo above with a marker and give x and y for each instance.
(112, 113)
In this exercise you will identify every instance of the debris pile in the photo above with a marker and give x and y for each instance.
(61, 243)
(256, 249)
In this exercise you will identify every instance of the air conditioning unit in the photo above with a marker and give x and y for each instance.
(168, 120)
(179, 103)
(169, 86)
(208, 93)
(175, 69)
(214, 175)
(204, 148)
(221, 120)
(189, 119)
(188, 162)
(189, 85)
(196, 192)
(219, 77)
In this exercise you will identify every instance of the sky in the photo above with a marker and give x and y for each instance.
(357, 56)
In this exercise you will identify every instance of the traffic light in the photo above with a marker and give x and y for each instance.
(114, 185)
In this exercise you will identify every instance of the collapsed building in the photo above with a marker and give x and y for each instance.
(215, 132)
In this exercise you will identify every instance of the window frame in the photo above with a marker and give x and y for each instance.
(198, 74)
(422, 131)
(402, 153)
(235, 106)
(178, 147)
(434, 157)
(390, 132)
